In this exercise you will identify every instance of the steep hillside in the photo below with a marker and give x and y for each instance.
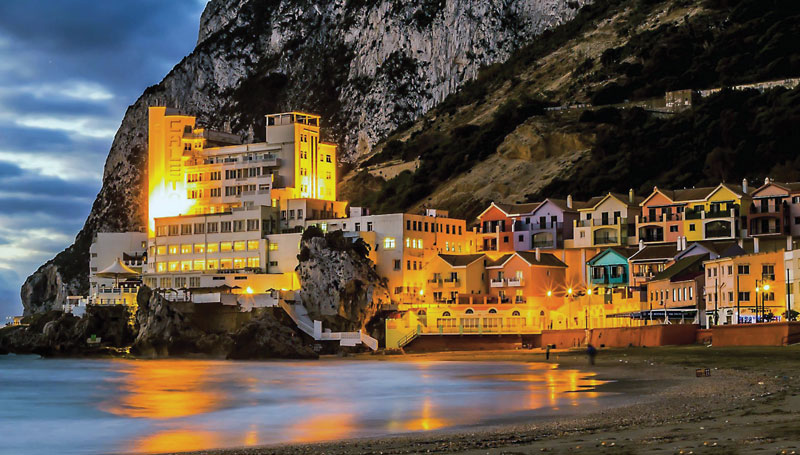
(491, 140)
(366, 67)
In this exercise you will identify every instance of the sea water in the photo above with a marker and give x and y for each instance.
(71, 406)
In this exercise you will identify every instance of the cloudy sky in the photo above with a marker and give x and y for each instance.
(68, 71)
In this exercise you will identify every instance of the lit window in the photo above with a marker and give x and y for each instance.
(161, 266)
(199, 264)
(186, 249)
(389, 243)
(173, 266)
(173, 249)
(226, 247)
(186, 266)
(199, 248)
(239, 263)
(420, 243)
(213, 264)
(239, 245)
(212, 247)
(226, 264)
(273, 247)
(161, 249)
(253, 262)
(252, 245)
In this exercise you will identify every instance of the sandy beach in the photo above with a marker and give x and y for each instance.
(748, 404)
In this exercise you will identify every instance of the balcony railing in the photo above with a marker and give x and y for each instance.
(701, 214)
(497, 283)
(606, 240)
(662, 217)
(514, 282)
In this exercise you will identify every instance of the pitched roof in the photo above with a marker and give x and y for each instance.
(689, 194)
(593, 202)
(624, 252)
(499, 261)
(562, 204)
(460, 260)
(517, 209)
(663, 251)
(683, 269)
(545, 259)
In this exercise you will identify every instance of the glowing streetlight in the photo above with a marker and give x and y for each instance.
(766, 287)
(549, 293)
(569, 291)
(249, 290)
(589, 291)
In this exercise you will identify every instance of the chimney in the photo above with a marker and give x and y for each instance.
(538, 255)
(680, 244)
(767, 181)
(789, 244)
(744, 185)
(641, 244)
(684, 243)
(569, 201)
(630, 196)
(755, 245)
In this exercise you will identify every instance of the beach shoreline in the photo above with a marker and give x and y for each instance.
(742, 406)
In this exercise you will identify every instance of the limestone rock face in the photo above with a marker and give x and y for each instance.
(339, 285)
(366, 67)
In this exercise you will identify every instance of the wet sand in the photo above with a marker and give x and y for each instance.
(749, 404)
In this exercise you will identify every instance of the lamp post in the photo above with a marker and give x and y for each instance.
(761, 285)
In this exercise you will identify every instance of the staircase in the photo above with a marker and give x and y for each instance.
(408, 338)
(313, 329)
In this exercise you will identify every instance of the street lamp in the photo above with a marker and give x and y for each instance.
(761, 285)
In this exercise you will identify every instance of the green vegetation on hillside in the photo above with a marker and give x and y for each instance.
(728, 136)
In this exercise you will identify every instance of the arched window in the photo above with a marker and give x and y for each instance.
(515, 313)
(469, 311)
(446, 314)
(541, 313)
(421, 313)
(492, 311)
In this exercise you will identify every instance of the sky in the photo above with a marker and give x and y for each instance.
(68, 71)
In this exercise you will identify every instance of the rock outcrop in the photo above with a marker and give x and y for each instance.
(165, 330)
(366, 67)
(55, 333)
(339, 284)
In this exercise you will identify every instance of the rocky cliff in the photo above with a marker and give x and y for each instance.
(366, 67)
(339, 284)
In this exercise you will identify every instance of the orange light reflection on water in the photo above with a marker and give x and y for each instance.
(183, 440)
(165, 389)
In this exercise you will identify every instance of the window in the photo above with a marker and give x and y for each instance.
(730, 270)
(252, 225)
(186, 249)
(212, 228)
(186, 229)
(199, 264)
(225, 226)
(795, 199)
(797, 220)
(358, 227)
(161, 249)
(389, 243)
(161, 266)
(173, 229)
(369, 226)
(273, 247)
(172, 266)
(397, 264)
(299, 214)
(408, 265)
(253, 262)
(212, 247)
(186, 266)
(225, 247)
(226, 264)
(691, 227)
(239, 263)
(194, 282)
(161, 231)
(199, 248)
(239, 245)
(238, 225)
(768, 296)
(768, 272)
(743, 269)
(252, 245)
(744, 296)
(212, 264)
(173, 249)
(673, 228)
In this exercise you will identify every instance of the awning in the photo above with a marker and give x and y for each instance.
(117, 270)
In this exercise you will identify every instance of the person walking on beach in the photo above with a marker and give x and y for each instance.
(591, 352)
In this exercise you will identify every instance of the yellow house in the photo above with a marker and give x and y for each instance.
(718, 215)
(451, 275)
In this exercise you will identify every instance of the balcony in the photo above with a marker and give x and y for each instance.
(661, 218)
(519, 299)
(497, 283)
(702, 214)
(514, 282)
(606, 240)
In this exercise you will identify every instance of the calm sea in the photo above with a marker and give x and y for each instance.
(72, 406)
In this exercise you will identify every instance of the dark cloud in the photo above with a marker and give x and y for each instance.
(70, 63)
